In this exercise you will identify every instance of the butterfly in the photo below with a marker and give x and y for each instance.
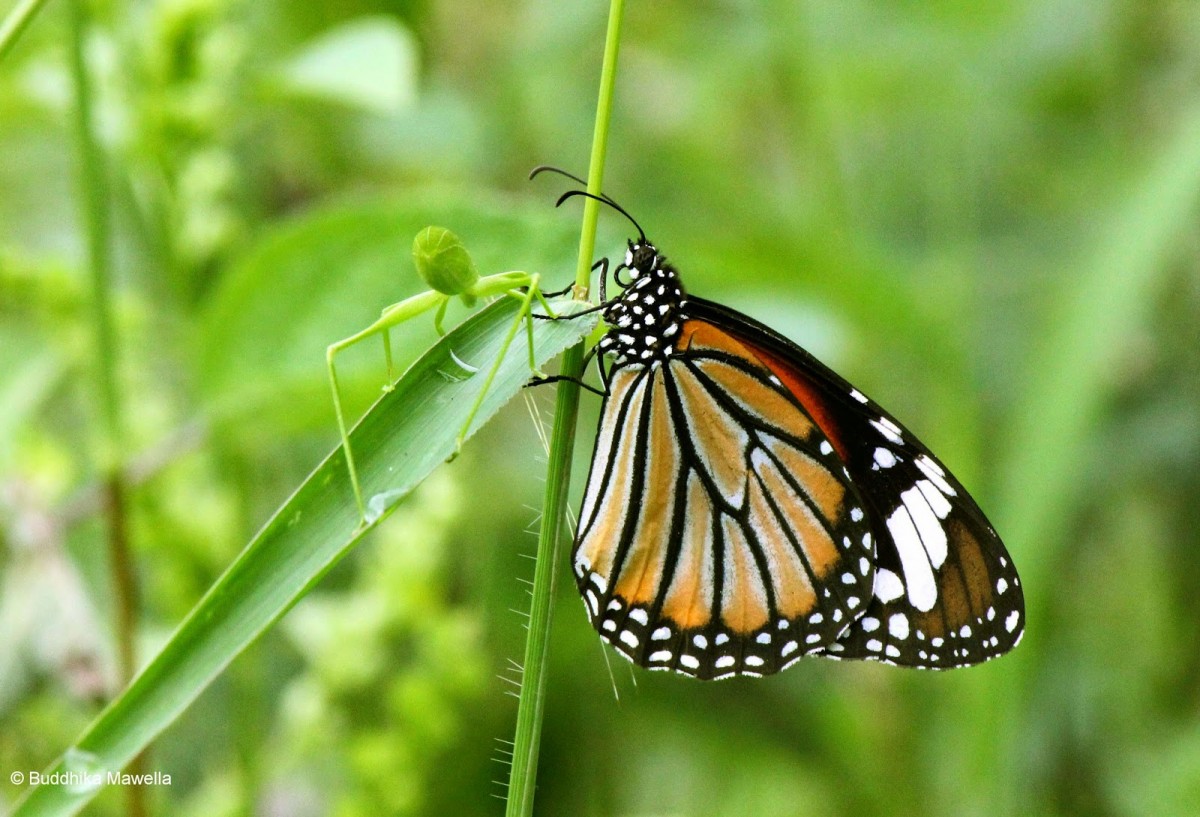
(747, 507)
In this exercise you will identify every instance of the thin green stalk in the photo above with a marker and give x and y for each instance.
(93, 181)
(14, 25)
(530, 710)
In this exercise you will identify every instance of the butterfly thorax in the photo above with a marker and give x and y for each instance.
(644, 320)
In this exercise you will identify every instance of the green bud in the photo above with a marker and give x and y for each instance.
(443, 262)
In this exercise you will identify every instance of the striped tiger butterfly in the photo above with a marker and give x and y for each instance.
(747, 507)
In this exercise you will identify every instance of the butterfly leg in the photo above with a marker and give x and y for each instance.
(562, 378)
(559, 378)
(603, 265)
(559, 293)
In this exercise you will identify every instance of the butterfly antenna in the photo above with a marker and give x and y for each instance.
(604, 200)
(552, 169)
(603, 197)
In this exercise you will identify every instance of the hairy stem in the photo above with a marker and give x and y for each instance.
(533, 688)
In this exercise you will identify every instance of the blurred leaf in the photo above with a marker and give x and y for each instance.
(408, 433)
(1092, 319)
(370, 62)
(327, 274)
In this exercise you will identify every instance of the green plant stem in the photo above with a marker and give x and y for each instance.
(95, 198)
(14, 25)
(523, 775)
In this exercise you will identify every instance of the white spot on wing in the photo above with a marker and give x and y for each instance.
(857, 395)
(936, 499)
(918, 574)
(935, 473)
(933, 536)
(888, 586)
(888, 429)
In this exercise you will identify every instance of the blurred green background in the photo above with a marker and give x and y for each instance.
(985, 215)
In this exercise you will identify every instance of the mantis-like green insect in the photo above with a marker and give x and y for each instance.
(444, 263)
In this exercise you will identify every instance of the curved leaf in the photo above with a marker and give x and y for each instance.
(405, 435)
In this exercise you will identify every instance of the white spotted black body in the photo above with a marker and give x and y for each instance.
(645, 319)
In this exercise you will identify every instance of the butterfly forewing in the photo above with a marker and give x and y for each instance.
(945, 592)
(719, 534)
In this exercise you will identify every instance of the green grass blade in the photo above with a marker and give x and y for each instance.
(15, 23)
(406, 434)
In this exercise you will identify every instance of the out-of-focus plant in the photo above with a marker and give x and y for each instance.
(391, 665)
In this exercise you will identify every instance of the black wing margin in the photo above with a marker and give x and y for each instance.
(946, 593)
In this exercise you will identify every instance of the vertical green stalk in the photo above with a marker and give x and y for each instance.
(93, 182)
(530, 710)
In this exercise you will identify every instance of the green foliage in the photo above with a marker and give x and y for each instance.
(411, 430)
(984, 215)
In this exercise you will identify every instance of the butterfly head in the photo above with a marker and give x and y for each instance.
(641, 258)
(645, 318)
